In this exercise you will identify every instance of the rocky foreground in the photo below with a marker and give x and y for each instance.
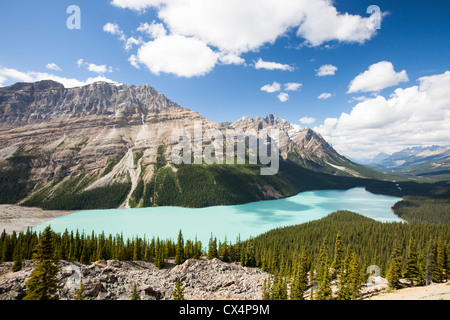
(114, 280)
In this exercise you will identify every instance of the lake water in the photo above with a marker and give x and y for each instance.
(245, 220)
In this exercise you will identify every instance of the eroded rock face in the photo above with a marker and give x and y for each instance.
(114, 280)
(80, 131)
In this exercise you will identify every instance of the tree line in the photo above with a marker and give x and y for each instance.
(299, 258)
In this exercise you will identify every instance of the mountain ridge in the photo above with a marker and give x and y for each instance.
(88, 140)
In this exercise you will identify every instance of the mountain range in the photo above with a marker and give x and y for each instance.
(431, 162)
(107, 145)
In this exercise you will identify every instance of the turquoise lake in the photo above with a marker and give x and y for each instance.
(246, 220)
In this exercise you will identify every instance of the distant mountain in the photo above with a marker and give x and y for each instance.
(419, 162)
(107, 145)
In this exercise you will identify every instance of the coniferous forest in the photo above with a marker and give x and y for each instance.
(338, 248)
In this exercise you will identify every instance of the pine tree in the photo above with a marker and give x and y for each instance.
(300, 281)
(266, 291)
(226, 251)
(338, 256)
(430, 263)
(354, 278)
(440, 261)
(323, 274)
(137, 250)
(212, 248)
(279, 288)
(178, 293)
(394, 272)
(344, 292)
(80, 291)
(412, 268)
(179, 251)
(250, 256)
(135, 295)
(17, 257)
(43, 281)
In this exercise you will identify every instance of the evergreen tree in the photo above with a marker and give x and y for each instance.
(344, 291)
(412, 267)
(266, 292)
(440, 261)
(212, 248)
(279, 288)
(135, 295)
(394, 272)
(179, 251)
(43, 281)
(300, 281)
(338, 256)
(354, 278)
(430, 263)
(80, 290)
(226, 251)
(137, 249)
(178, 293)
(17, 256)
(250, 256)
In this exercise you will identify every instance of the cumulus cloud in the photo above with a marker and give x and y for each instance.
(130, 42)
(326, 70)
(182, 56)
(13, 75)
(134, 61)
(230, 58)
(154, 30)
(114, 29)
(236, 26)
(292, 86)
(100, 69)
(325, 95)
(417, 115)
(307, 120)
(270, 88)
(53, 66)
(283, 97)
(261, 64)
(379, 76)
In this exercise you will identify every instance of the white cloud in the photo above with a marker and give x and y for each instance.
(379, 76)
(292, 86)
(154, 30)
(307, 120)
(132, 42)
(53, 66)
(235, 27)
(14, 75)
(99, 68)
(322, 22)
(417, 115)
(134, 61)
(260, 64)
(242, 26)
(230, 58)
(283, 97)
(182, 56)
(326, 70)
(114, 29)
(270, 88)
(325, 95)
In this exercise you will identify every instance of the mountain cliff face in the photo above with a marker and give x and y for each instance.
(82, 145)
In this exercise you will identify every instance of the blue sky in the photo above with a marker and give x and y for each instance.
(292, 43)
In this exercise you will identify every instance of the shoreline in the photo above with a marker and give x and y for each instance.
(18, 219)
